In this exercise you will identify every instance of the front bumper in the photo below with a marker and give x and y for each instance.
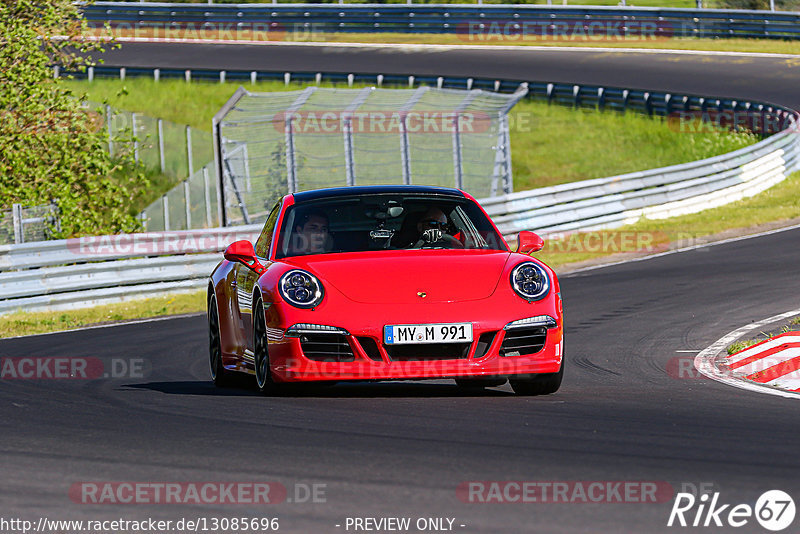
(490, 354)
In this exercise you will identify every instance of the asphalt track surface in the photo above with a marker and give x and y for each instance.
(402, 449)
(772, 79)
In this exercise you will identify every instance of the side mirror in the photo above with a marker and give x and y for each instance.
(528, 242)
(243, 252)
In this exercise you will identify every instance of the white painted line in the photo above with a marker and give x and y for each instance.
(739, 356)
(110, 325)
(680, 250)
(788, 381)
(705, 362)
(446, 47)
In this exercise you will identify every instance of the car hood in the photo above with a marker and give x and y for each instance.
(404, 276)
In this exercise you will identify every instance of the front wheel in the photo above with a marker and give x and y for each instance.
(219, 375)
(261, 352)
(543, 384)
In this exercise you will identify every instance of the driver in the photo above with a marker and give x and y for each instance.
(311, 235)
(432, 230)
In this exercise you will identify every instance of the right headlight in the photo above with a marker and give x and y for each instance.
(530, 281)
(301, 289)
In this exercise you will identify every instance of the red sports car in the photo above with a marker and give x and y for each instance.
(385, 283)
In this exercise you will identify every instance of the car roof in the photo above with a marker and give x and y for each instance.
(356, 190)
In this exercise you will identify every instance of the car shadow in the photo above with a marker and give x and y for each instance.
(244, 387)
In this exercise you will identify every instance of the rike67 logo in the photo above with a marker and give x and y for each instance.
(774, 510)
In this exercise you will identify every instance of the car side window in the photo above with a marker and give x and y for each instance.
(264, 240)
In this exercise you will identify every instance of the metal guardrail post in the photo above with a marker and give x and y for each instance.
(135, 138)
(108, 130)
(161, 155)
(165, 202)
(207, 197)
(189, 149)
(187, 201)
(16, 214)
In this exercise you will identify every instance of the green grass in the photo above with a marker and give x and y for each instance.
(28, 323)
(779, 203)
(549, 144)
(742, 344)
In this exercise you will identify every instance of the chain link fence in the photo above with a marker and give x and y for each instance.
(176, 150)
(22, 224)
(271, 144)
(192, 204)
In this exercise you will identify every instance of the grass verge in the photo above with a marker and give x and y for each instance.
(549, 144)
(791, 326)
(28, 323)
(779, 203)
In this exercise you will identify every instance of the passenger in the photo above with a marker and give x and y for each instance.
(311, 235)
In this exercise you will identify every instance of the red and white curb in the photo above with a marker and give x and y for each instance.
(774, 362)
(772, 366)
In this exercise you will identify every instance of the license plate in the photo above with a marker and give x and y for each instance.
(403, 334)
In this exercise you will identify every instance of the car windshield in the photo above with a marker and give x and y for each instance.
(385, 222)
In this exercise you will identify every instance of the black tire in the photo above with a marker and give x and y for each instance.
(479, 383)
(264, 380)
(543, 384)
(219, 375)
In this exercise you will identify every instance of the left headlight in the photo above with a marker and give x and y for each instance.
(530, 281)
(301, 289)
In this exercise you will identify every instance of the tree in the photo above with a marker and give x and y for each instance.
(52, 149)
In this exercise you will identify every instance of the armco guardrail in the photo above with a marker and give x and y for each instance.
(655, 194)
(480, 22)
(89, 270)
(157, 262)
(107, 268)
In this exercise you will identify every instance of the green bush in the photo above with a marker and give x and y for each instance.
(51, 148)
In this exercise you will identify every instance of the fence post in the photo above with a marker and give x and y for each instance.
(165, 203)
(347, 130)
(161, 156)
(16, 214)
(405, 154)
(187, 201)
(207, 197)
(135, 139)
(288, 130)
(108, 129)
(457, 160)
(189, 149)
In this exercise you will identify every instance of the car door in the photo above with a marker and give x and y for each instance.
(246, 280)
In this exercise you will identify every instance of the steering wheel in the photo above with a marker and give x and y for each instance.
(444, 239)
